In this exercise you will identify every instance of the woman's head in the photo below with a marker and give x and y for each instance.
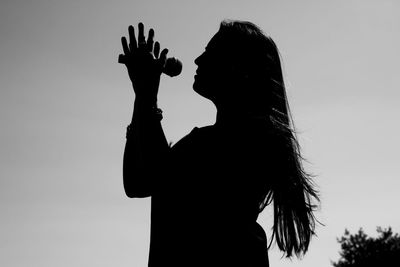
(241, 67)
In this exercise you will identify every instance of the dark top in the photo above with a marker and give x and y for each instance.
(204, 212)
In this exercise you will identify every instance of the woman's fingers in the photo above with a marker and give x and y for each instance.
(149, 46)
(125, 45)
(163, 56)
(132, 38)
(156, 49)
(141, 38)
(150, 40)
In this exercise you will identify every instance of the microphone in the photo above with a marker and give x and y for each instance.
(172, 67)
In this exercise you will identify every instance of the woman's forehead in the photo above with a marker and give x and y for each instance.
(228, 40)
(214, 41)
(219, 41)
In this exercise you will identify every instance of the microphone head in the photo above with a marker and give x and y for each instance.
(172, 67)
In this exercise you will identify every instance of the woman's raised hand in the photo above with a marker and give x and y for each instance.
(144, 62)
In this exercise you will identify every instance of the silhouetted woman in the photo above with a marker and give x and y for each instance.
(208, 189)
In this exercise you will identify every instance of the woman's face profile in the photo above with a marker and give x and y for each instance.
(211, 73)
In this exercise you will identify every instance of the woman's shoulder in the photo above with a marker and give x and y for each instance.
(250, 135)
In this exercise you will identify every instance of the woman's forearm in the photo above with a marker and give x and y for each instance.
(145, 152)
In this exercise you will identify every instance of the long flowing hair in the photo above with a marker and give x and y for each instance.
(291, 189)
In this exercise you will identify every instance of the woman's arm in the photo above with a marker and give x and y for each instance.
(145, 153)
(146, 146)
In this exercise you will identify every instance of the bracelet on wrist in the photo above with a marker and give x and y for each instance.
(148, 113)
(152, 114)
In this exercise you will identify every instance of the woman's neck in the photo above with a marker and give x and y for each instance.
(231, 116)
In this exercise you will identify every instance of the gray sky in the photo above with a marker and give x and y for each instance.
(65, 104)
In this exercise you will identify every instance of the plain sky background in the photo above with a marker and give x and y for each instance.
(65, 103)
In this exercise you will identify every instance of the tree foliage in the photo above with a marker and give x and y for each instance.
(360, 250)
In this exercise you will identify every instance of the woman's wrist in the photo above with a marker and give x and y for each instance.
(145, 102)
(146, 109)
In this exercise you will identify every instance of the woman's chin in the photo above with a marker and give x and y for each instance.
(196, 85)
